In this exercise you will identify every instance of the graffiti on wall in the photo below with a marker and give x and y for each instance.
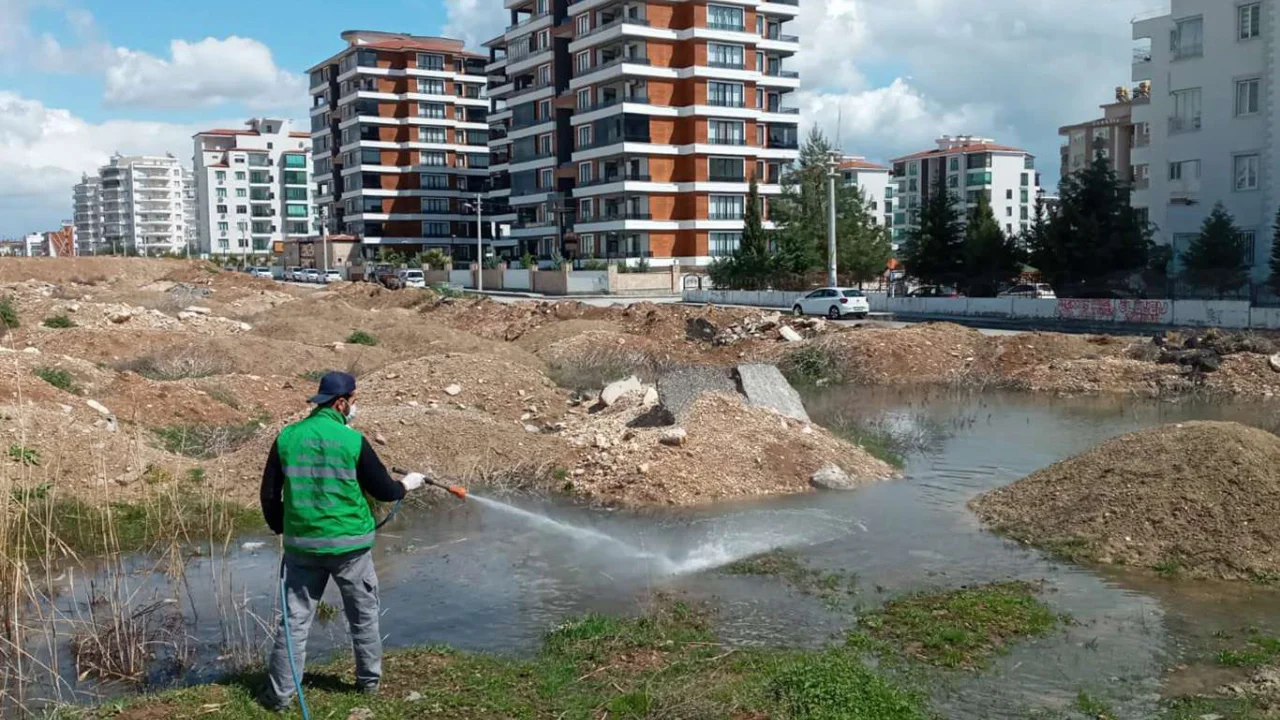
(1144, 311)
(1104, 310)
(1086, 309)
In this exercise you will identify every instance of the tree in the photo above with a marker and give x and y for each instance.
(1096, 241)
(1274, 280)
(862, 246)
(754, 241)
(1216, 257)
(934, 250)
(801, 209)
(991, 258)
(749, 267)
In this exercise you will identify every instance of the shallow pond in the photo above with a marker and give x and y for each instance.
(479, 579)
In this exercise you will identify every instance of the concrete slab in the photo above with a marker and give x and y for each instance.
(765, 386)
(678, 389)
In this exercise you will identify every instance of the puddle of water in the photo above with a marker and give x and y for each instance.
(494, 581)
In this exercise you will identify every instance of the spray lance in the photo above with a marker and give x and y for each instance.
(456, 490)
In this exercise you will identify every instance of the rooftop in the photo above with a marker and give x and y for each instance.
(956, 149)
(859, 163)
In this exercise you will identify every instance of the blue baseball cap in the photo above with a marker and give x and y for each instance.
(332, 386)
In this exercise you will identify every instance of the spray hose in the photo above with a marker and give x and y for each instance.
(455, 490)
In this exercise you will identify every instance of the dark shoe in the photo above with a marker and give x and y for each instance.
(369, 690)
(274, 705)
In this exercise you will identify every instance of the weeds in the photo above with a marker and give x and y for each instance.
(182, 364)
(1093, 707)
(156, 475)
(59, 322)
(8, 313)
(205, 442)
(224, 396)
(961, 628)
(360, 337)
(58, 378)
(25, 455)
(1258, 651)
(196, 475)
(875, 439)
(813, 364)
(314, 375)
(1170, 567)
(118, 643)
(326, 612)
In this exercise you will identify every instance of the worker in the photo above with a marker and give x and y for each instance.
(313, 489)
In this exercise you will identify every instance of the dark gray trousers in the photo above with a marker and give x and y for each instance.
(305, 579)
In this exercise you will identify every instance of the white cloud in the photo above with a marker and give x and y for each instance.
(474, 21)
(207, 73)
(44, 151)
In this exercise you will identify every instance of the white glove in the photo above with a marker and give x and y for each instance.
(413, 481)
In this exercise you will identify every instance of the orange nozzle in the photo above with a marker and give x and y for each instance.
(458, 492)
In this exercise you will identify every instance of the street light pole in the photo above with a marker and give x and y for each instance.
(479, 243)
(324, 236)
(833, 166)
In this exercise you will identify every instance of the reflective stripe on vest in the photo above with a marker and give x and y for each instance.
(340, 473)
(328, 543)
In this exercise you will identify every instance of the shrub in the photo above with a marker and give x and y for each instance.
(205, 442)
(24, 455)
(8, 313)
(181, 364)
(156, 475)
(360, 337)
(59, 322)
(195, 475)
(57, 377)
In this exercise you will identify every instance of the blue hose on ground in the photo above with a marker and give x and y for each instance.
(288, 636)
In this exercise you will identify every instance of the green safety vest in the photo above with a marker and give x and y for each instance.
(325, 512)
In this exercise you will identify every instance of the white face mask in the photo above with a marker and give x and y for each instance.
(351, 412)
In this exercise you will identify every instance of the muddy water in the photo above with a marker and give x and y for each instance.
(483, 580)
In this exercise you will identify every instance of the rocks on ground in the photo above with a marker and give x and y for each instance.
(1202, 498)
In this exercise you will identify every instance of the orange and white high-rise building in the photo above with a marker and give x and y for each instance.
(629, 129)
(399, 130)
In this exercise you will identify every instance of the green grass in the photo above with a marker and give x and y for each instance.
(59, 322)
(205, 442)
(878, 442)
(664, 664)
(8, 313)
(326, 612)
(1257, 651)
(811, 364)
(360, 337)
(961, 628)
(82, 528)
(313, 375)
(1093, 707)
(58, 378)
(1170, 567)
(196, 475)
(224, 396)
(1222, 708)
(24, 455)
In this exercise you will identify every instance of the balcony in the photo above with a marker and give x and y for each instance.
(610, 102)
(726, 65)
(784, 110)
(1187, 51)
(781, 37)
(615, 61)
(527, 21)
(1142, 183)
(1141, 140)
(1180, 124)
(782, 73)
(619, 215)
(1141, 55)
(726, 141)
(732, 27)
(619, 177)
(620, 20)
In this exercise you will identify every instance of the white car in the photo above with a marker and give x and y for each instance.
(262, 272)
(835, 303)
(413, 278)
(1040, 291)
(311, 275)
(331, 276)
(293, 272)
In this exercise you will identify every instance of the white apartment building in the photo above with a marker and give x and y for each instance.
(253, 187)
(873, 180)
(142, 205)
(1211, 69)
(1006, 175)
(87, 214)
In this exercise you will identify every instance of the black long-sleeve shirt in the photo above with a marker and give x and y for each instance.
(370, 473)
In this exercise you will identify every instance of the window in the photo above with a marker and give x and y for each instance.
(221, 175)
(1247, 92)
(435, 206)
(434, 181)
(726, 169)
(370, 156)
(1008, 211)
(584, 173)
(725, 55)
(295, 177)
(431, 110)
(242, 210)
(546, 178)
(223, 228)
(913, 185)
(586, 209)
(294, 211)
(430, 62)
(1184, 169)
(1026, 179)
(434, 159)
(431, 86)
(221, 209)
(1250, 21)
(726, 132)
(584, 99)
(955, 164)
(544, 39)
(723, 244)
(725, 207)
(584, 22)
(241, 192)
(584, 136)
(724, 17)
(724, 94)
(295, 193)
(1186, 40)
(433, 135)
(222, 193)
(953, 181)
(1248, 238)
(913, 169)
(1186, 111)
(544, 75)
(583, 61)
(544, 144)
(1008, 194)
(240, 175)
(1023, 212)
(1246, 172)
(436, 229)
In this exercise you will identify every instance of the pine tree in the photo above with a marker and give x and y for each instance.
(862, 246)
(1216, 257)
(801, 209)
(1274, 280)
(754, 241)
(1096, 242)
(990, 257)
(934, 251)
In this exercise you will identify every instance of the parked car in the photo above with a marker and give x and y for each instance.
(1040, 291)
(262, 272)
(311, 275)
(835, 303)
(291, 273)
(331, 276)
(933, 291)
(412, 278)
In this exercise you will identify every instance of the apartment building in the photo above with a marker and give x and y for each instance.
(1115, 134)
(873, 181)
(970, 167)
(253, 187)
(1211, 69)
(142, 200)
(632, 127)
(86, 199)
(400, 131)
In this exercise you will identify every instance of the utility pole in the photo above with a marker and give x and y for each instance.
(324, 236)
(833, 168)
(480, 242)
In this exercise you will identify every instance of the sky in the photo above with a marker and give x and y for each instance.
(82, 79)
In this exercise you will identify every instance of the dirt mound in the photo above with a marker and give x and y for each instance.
(1200, 497)
(508, 391)
(546, 336)
(730, 450)
(929, 354)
